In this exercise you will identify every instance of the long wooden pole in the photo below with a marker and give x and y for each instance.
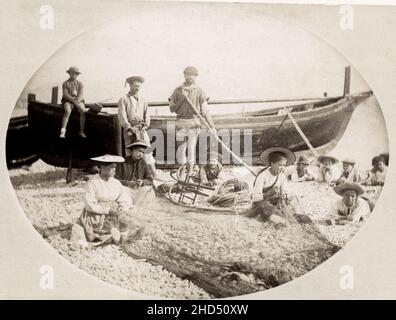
(316, 154)
(214, 134)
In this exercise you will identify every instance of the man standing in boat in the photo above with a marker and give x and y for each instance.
(73, 97)
(134, 118)
(186, 101)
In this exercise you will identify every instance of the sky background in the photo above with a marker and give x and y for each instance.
(240, 54)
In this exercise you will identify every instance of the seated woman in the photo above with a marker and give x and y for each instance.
(106, 200)
(210, 172)
(351, 207)
(328, 173)
(351, 173)
(302, 171)
(135, 172)
(270, 201)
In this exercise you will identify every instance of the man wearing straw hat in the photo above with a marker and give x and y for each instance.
(134, 119)
(183, 101)
(351, 207)
(73, 97)
(270, 201)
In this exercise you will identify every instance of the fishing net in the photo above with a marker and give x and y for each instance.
(225, 254)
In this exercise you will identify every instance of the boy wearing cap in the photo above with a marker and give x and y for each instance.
(351, 207)
(134, 118)
(73, 96)
(350, 173)
(182, 101)
(302, 172)
(135, 172)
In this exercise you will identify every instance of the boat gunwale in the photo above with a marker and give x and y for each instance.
(229, 116)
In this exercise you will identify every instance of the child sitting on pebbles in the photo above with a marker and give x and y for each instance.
(351, 173)
(302, 171)
(328, 172)
(378, 174)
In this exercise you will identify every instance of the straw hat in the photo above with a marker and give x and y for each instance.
(289, 155)
(349, 186)
(327, 156)
(73, 70)
(349, 160)
(108, 158)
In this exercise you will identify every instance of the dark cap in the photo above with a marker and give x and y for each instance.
(133, 79)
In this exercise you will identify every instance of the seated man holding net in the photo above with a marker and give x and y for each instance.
(270, 201)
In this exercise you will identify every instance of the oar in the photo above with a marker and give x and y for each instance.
(214, 134)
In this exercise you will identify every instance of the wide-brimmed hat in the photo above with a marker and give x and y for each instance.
(73, 70)
(108, 158)
(349, 160)
(303, 160)
(137, 143)
(133, 79)
(289, 155)
(192, 70)
(348, 186)
(327, 156)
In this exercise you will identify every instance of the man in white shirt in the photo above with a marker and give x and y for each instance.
(135, 120)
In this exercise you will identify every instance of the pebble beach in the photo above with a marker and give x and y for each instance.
(208, 239)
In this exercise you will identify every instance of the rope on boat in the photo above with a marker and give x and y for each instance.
(232, 193)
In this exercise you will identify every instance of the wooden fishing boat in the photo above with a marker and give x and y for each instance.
(20, 149)
(323, 121)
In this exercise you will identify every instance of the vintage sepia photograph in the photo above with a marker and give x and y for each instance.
(198, 151)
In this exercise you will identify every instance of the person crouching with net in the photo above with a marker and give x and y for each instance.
(270, 200)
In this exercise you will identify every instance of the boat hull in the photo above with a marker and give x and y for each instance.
(324, 126)
(20, 149)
